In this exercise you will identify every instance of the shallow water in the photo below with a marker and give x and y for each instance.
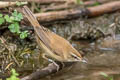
(102, 56)
(98, 61)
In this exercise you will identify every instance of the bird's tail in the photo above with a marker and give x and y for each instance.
(39, 30)
(31, 17)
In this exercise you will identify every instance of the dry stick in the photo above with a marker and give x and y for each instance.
(73, 3)
(89, 3)
(105, 8)
(50, 69)
(59, 15)
(42, 1)
(6, 4)
(58, 7)
(71, 14)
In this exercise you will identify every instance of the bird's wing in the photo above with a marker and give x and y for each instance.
(41, 32)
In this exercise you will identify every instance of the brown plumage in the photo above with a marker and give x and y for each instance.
(54, 46)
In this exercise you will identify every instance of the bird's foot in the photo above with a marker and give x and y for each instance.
(57, 66)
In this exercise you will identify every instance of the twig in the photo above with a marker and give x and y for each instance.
(73, 3)
(8, 4)
(50, 69)
(10, 51)
(105, 8)
(42, 1)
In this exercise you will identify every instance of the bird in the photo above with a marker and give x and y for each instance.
(55, 47)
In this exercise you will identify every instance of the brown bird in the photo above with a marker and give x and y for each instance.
(54, 46)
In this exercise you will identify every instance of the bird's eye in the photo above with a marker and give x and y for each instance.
(74, 56)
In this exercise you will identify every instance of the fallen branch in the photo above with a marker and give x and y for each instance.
(57, 7)
(105, 8)
(71, 14)
(75, 13)
(90, 3)
(59, 15)
(73, 3)
(50, 69)
(6, 4)
(42, 1)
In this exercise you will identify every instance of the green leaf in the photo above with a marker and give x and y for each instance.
(17, 16)
(14, 28)
(96, 4)
(111, 78)
(13, 78)
(2, 20)
(18, 3)
(14, 72)
(79, 2)
(1, 15)
(14, 75)
(7, 18)
(20, 16)
(24, 34)
(15, 13)
(104, 74)
(12, 18)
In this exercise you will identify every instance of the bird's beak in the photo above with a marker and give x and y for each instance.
(84, 61)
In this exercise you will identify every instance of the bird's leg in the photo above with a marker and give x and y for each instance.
(50, 60)
(62, 65)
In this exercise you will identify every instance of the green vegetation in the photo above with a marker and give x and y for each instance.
(2, 20)
(20, 3)
(79, 2)
(96, 4)
(106, 76)
(13, 76)
(13, 22)
(24, 34)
